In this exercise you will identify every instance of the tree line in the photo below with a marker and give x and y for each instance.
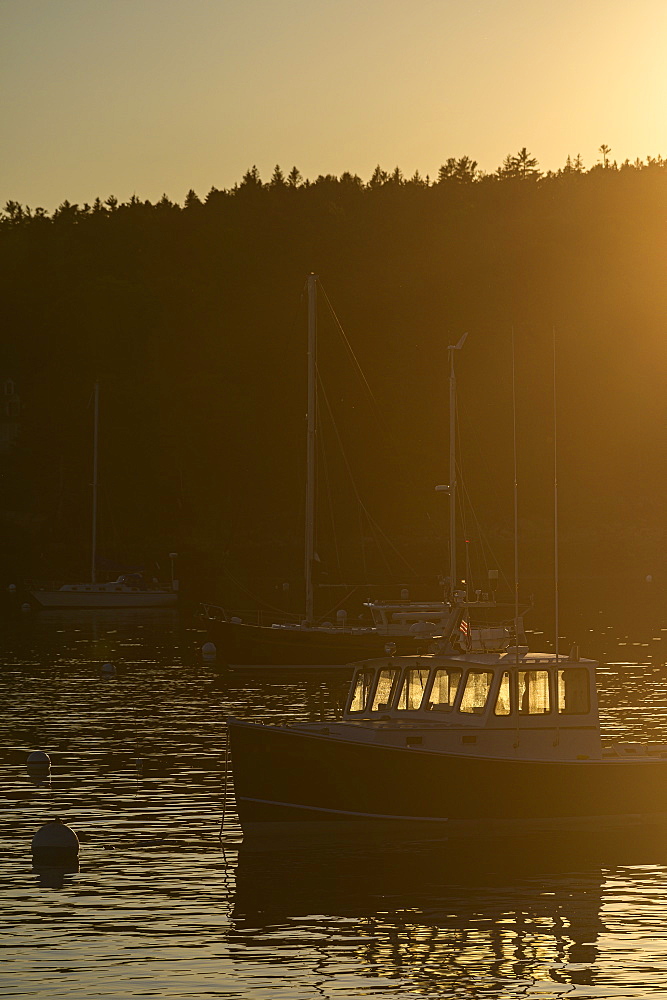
(463, 170)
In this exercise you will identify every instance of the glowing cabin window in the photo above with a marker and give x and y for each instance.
(503, 702)
(573, 691)
(412, 689)
(363, 683)
(443, 690)
(476, 691)
(386, 686)
(534, 692)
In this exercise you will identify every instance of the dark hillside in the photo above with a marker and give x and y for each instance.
(191, 319)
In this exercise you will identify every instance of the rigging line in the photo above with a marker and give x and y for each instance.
(350, 350)
(375, 408)
(371, 520)
(343, 599)
(363, 544)
(327, 485)
(375, 529)
(491, 560)
(270, 607)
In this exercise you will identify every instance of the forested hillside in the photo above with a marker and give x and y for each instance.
(192, 319)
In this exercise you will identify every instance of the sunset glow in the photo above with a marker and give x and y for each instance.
(165, 95)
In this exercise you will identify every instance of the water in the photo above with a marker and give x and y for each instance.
(159, 906)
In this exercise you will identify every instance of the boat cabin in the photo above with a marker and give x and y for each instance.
(401, 616)
(486, 702)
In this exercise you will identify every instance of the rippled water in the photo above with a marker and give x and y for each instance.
(161, 907)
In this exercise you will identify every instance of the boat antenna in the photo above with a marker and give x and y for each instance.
(96, 419)
(311, 442)
(516, 509)
(451, 487)
(555, 416)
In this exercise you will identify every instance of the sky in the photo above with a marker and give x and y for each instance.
(148, 97)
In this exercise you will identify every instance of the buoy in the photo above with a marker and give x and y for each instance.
(26, 607)
(108, 668)
(38, 761)
(208, 651)
(12, 588)
(55, 841)
(649, 579)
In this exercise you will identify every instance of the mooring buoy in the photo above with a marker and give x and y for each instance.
(55, 841)
(38, 761)
(108, 668)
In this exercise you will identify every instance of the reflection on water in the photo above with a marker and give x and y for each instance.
(157, 906)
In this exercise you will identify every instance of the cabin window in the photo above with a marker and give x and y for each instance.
(534, 692)
(503, 702)
(386, 686)
(443, 690)
(476, 691)
(362, 688)
(412, 689)
(573, 692)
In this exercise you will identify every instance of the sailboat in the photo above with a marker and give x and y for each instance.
(129, 590)
(404, 624)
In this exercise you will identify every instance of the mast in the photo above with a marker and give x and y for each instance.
(93, 548)
(516, 510)
(451, 488)
(310, 443)
(556, 572)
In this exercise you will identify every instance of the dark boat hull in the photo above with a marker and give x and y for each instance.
(286, 776)
(241, 644)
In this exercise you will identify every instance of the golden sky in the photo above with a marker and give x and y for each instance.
(150, 96)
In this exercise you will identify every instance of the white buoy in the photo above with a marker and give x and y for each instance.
(208, 651)
(38, 761)
(55, 840)
(26, 607)
(649, 579)
(12, 588)
(108, 668)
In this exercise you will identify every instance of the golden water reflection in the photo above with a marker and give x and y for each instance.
(159, 907)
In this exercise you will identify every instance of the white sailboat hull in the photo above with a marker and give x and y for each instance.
(101, 598)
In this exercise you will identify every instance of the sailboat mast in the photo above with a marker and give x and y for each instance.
(556, 572)
(311, 441)
(452, 486)
(452, 472)
(516, 509)
(93, 548)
